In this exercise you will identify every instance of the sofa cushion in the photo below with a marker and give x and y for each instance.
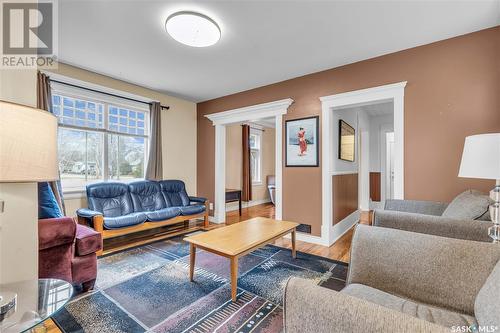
(87, 240)
(48, 207)
(111, 199)
(146, 196)
(487, 305)
(469, 205)
(426, 312)
(174, 192)
(163, 214)
(125, 220)
(192, 209)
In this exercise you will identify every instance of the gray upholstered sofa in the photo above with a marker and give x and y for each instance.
(437, 218)
(402, 281)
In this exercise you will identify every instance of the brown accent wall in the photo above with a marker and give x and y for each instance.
(344, 196)
(375, 186)
(453, 91)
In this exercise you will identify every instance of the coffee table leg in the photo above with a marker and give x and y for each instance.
(294, 253)
(234, 277)
(192, 257)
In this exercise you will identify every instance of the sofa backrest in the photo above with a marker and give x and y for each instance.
(111, 199)
(174, 192)
(146, 196)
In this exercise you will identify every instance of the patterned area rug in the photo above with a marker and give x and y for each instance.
(148, 289)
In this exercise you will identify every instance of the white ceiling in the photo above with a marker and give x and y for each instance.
(379, 109)
(262, 41)
(265, 122)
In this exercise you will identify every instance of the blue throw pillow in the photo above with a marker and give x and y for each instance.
(47, 203)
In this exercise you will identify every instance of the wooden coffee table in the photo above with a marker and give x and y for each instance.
(238, 239)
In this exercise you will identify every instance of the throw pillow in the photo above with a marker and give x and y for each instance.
(469, 205)
(47, 203)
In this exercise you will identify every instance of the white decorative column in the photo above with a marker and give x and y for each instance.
(220, 174)
(278, 169)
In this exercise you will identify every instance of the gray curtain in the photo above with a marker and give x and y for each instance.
(154, 170)
(44, 102)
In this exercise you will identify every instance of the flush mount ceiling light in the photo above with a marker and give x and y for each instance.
(193, 29)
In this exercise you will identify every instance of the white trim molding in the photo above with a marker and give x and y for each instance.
(274, 109)
(340, 173)
(232, 206)
(390, 92)
(249, 113)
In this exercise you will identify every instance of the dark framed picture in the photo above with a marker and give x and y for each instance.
(302, 142)
(346, 141)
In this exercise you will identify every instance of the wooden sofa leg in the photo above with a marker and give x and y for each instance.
(98, 222)
(88, 285)
(205, 217)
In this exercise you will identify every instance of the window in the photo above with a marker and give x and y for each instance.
(255, 156)
(99, 139)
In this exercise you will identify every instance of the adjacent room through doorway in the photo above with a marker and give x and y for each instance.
(363, 159)
(250, 170)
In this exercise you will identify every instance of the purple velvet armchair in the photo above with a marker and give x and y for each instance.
(67, 251)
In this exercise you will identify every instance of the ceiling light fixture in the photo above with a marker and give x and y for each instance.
(193, 29)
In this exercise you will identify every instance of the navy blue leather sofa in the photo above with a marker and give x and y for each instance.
(116, 209)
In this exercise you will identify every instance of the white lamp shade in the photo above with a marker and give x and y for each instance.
(481, 157)
(28, 144)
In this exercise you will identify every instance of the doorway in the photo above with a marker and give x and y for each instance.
(223, 119)
(250, 170)
(332, 230)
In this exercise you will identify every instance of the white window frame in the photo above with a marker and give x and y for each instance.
(82, 94)
(258, 150)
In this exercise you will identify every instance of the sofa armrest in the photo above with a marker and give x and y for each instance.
(197, 199)
(55, 232)
(416, 206)
(426, 268)
(87, 213)
(311, 308)
(433, 225)
(87, 241)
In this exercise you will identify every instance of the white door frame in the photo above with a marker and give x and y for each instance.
(394, 92)
(220, 120)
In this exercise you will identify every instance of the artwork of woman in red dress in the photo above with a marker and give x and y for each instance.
(302, 141)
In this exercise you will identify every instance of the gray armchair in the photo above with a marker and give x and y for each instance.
(401, 281)
(426, 217)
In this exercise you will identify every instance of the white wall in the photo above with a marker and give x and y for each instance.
(364, 161)
(350, 116)
(378, 126)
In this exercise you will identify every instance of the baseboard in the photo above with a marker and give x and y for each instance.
(308, 238)
(344, 226)
(232, 206)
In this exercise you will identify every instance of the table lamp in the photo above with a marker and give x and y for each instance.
(28, 154)
(481, 159)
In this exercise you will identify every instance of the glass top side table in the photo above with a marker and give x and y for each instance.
(37, 300)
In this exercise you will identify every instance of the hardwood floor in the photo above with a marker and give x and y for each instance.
(264, 210)
(338, 251)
